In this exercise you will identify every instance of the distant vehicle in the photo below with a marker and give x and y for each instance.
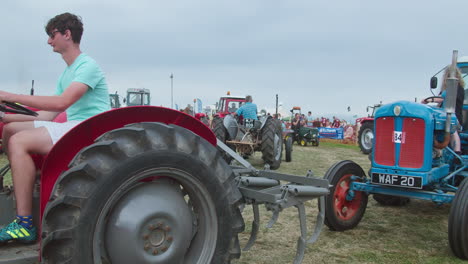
(138, 96)
(228, 104)
(135, 96)
(304, 134)
(115, 100)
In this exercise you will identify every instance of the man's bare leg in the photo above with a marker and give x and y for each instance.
(10, 129)
(21, 145)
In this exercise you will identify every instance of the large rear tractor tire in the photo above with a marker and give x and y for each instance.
(145, 193)
(458, 222)
(288, 145)
(366, 137)
(221, 133)
(390, 200)
(272, 143)
(340, 212)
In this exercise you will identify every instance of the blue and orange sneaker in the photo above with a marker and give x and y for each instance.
(17, 232)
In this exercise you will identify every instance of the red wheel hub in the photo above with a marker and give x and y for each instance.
(345, 209)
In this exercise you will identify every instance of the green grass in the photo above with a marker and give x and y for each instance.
(415, 233)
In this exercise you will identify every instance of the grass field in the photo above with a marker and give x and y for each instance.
(415, 233)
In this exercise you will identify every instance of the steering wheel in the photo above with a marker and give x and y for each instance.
(9, 107)
(426, 100)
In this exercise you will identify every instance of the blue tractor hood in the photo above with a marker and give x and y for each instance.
(431, 114)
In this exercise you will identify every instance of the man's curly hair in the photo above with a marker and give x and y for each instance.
(66, 21)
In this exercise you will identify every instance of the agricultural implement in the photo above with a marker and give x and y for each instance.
(411, 159)
(147, 184)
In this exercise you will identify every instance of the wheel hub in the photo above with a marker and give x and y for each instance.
(157, 238)
(151, 223)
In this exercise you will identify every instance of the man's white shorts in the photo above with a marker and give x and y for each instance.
(56, 130)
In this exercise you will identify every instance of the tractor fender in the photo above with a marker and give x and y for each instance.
(264, 119)
(231, 126)
(87, 131)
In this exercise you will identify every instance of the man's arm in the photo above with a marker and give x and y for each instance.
(55, 103)
(42, 115)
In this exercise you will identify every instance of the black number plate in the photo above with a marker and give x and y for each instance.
(397, 180)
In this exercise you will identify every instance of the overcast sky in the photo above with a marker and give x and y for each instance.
(321, 55)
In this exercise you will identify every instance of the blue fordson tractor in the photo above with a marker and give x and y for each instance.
(412, 158)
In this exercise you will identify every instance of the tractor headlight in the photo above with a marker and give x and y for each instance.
(397, 110)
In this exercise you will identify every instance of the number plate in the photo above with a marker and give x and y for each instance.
(397, 180)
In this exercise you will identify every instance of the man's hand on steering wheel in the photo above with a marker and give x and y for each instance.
(9, 107)
(430, 99)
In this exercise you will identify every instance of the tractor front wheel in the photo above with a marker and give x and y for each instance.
(145, 193)
(303, 142)
(344, 209)
(272, 143)
(366, 137)
(458, 222)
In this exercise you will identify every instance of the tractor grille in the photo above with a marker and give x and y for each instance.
(408, 143)
(384, 152)
(412, 149)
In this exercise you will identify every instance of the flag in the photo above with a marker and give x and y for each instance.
(199, 104)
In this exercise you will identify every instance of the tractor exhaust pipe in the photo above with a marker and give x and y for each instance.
(450, 100)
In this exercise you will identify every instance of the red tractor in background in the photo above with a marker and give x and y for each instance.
(145, 184)
(365, 128)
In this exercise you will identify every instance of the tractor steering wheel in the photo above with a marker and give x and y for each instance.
(9, 107)
(430, 99)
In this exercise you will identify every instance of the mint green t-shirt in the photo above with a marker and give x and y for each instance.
(96, 100)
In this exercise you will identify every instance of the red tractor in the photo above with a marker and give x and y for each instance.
(145, 184)
(365, 128)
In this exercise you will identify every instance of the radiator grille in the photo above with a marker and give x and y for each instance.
(384, 149)
(412, 148)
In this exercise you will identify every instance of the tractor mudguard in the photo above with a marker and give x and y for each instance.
(231, 126)
(86, 132)
(264, 119)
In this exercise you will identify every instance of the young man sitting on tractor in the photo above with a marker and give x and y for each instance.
(81, 91)
(248, 110)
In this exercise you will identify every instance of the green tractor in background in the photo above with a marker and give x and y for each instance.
(304, 134)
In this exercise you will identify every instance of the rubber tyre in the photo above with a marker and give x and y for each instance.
(110, 167)
(221, 133)
(458, 222)
(340, 214)
(390, 200)
(288, 145)
(365, 144)
(272, 143)
(303, 142)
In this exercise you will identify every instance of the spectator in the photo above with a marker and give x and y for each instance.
(317, 123)
(310, 119)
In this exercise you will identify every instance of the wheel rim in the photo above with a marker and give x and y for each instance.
(157, 233)
(367, 138)
(303, 142)
(345, 209)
